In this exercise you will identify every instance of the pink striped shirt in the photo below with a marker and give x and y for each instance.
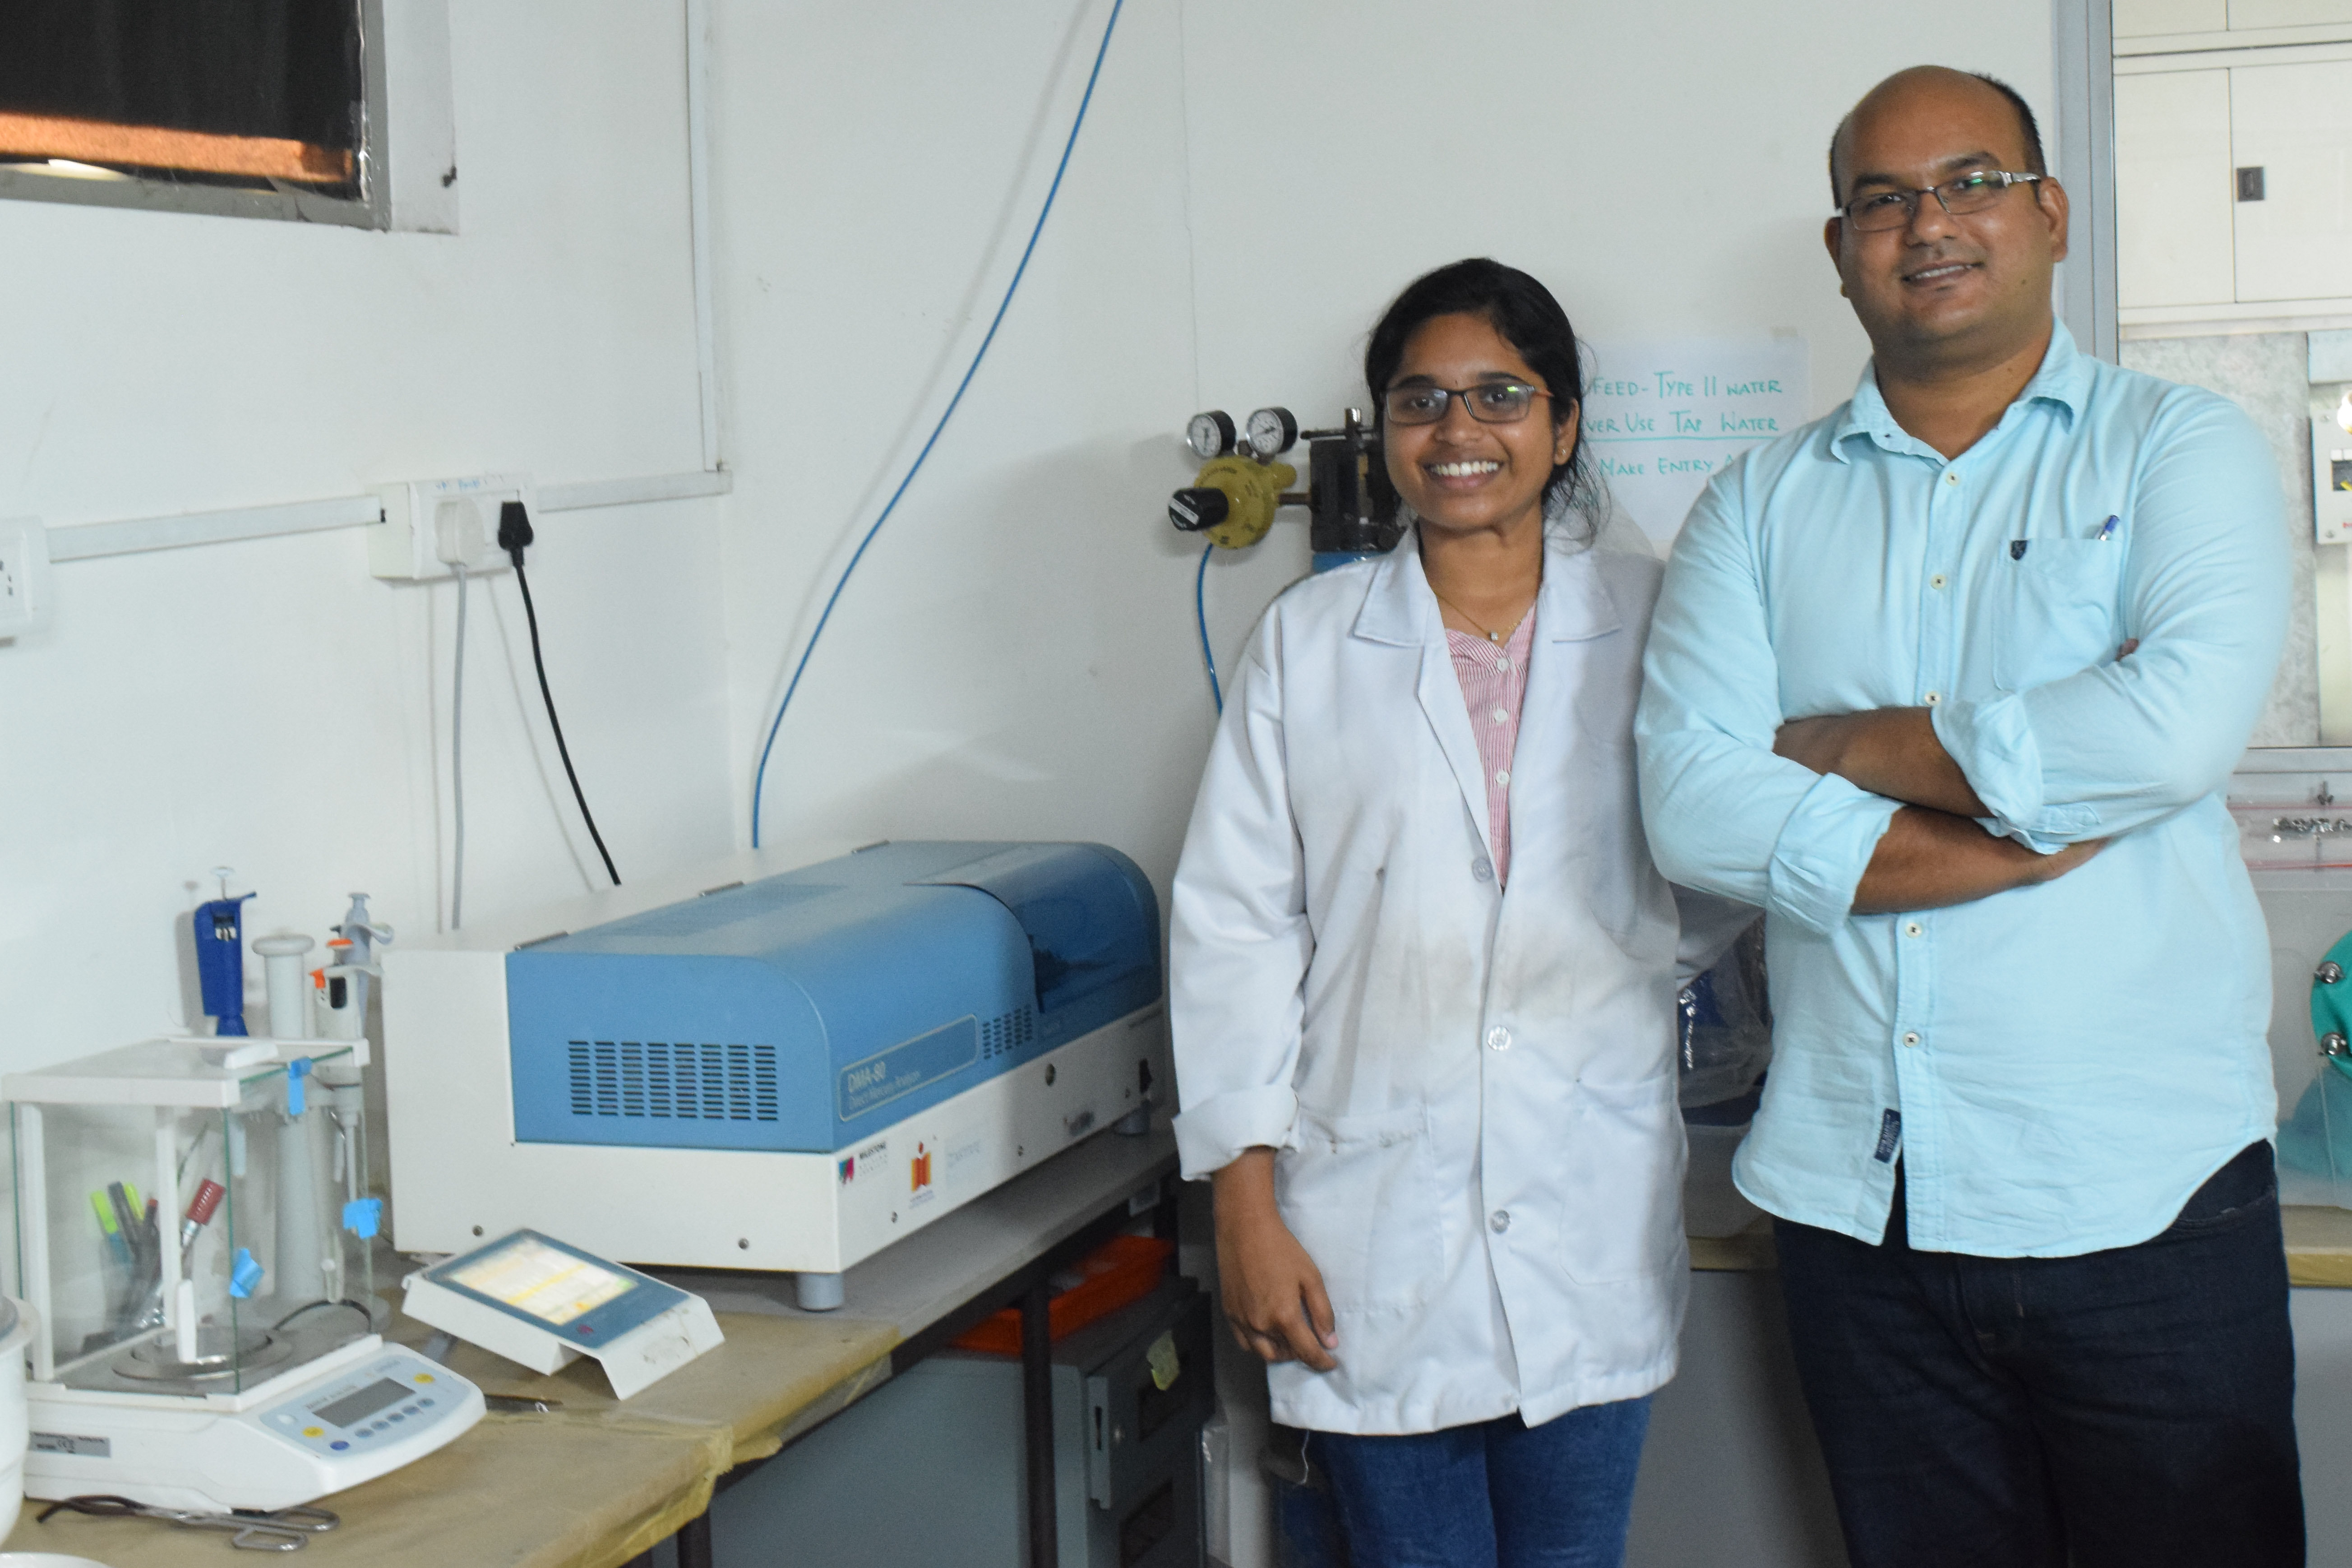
(1493, 684)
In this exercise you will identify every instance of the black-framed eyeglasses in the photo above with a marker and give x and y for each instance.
(1489, 402)
(1971, 192)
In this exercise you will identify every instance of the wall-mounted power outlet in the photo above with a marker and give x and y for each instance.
(24, 596)
(431, 525)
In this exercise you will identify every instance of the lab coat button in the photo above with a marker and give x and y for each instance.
(1934, 697)
(1913, 928)
(1482, 870)
(1950, 477)
(1911, 1038)
(1500, 1037)
(1937, 581)
(1499, 1221)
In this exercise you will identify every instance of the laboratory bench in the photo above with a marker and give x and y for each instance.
(593, 1482)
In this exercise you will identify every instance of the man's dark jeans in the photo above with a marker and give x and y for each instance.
(2133, 1408)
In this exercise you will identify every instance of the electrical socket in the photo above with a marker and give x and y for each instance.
(430, 525)
(25, 597)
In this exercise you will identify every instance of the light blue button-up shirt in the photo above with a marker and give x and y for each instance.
(2056, 1068)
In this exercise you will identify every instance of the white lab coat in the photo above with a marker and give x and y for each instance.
(1472, 1091)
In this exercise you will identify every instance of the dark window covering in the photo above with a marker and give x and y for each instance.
(285, 71)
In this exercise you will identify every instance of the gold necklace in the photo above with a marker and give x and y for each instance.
(1491, 637)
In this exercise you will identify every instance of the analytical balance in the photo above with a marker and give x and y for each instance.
(193, 1236)
(787, 1071)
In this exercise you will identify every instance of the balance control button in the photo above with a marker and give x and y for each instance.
(424, 1377)
(363, 1437)
(314, 1431)
(338, 1445)
(424, 1402)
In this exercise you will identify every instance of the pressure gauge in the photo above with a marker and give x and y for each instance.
(1271, 432)
(1210, 434)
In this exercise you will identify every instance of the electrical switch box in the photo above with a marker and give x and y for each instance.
(2331, 480)
(24, 576)
(431, 527)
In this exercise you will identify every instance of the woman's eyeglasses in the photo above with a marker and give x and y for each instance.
(1489, 402)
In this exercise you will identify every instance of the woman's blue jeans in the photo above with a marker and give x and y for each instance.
(1496, 1494)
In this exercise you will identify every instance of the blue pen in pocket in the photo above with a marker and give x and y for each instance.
(2107, 529)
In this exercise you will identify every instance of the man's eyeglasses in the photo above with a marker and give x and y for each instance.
(1489, 402)
(1971, 192)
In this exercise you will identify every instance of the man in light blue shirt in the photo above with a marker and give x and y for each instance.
(1951, 683)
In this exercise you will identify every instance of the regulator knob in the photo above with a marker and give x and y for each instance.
(1195, 509)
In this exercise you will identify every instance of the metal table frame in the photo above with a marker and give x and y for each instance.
(1028, 1287)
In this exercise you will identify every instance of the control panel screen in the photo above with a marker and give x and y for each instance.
(358, 1405)
(541, 1281)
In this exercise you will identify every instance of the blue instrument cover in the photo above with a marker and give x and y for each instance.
(802, 1012)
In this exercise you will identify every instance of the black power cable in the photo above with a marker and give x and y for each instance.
(514, 533)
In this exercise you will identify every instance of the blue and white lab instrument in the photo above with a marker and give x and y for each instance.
(786, 1071)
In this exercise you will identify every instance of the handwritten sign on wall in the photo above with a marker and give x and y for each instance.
(1664, 416)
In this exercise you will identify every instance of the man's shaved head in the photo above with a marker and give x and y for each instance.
(1904, 81)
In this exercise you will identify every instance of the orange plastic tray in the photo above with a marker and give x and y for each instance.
(1123, 1271)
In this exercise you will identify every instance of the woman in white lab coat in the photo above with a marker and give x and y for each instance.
(1424, 976)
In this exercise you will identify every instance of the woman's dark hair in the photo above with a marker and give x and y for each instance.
(1526, 317)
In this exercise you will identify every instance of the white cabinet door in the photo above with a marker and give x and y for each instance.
(2172, 189)
(2286, 13)
(2294, 123)
(2142, 18)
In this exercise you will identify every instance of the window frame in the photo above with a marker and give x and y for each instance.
(420, 34)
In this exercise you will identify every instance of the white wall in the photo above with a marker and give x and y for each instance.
(1015, 657)
(267, 704)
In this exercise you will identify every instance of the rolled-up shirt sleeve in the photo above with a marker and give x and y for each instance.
(2204, 590)
(1239, 940)
(1723, 814)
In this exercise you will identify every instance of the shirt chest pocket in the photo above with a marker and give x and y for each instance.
(2054, 611)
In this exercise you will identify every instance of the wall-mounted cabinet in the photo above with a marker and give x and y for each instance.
(2173, 189)
(2234, 174)
(2136, 20)
(2148, 18)
(2246, 15)
(2293, 123)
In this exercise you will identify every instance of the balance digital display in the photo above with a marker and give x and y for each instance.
(394, 1401)
(354, 1407)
